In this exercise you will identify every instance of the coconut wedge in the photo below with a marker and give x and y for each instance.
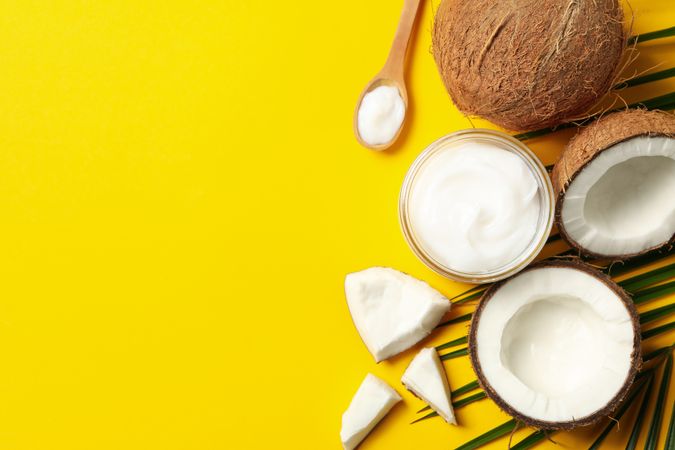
(392, 311)
(615, 185)
(372, 401)
(557, 346)
(425, 377)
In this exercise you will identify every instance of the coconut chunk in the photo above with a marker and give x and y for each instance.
(623, 202)
(392, 311)
(372, 401)
(615, 183)
(556, 346)
(425, 377)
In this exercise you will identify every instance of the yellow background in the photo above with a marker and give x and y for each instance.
(181, 197)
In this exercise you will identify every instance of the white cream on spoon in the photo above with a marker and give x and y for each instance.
(380, 115)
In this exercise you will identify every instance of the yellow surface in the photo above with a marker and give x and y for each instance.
(181, 197)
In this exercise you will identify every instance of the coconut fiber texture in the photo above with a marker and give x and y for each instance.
(591, 141)
(528, 64)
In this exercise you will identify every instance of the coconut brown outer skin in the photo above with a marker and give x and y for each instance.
(636, 357)
(527, 64)
(589, 143)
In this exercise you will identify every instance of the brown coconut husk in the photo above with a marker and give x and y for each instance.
(590, 142)
(636, 356)
(528, 64)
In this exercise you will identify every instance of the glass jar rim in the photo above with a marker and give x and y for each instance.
(545, 223)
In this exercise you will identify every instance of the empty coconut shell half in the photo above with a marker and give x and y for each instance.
(556, 346)
(527, 64)
(615, 185)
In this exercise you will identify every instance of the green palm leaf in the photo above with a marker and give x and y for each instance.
(644, 37)
(428, 416)
(468, 291)
(657, 313)
(532, 439)
(468, 400)
(655, 76)
(643, 280)
(621, 268)
(670, 438)
(459, 319)
(468, 387)
(456, 405)
(456, 354)
(655, 427)
(489, 436)
(658, 330)
(637, 426)
(624, 407)
(651, 293)
(656, 353)
(453, 343)
(468, 298)
(665, 102)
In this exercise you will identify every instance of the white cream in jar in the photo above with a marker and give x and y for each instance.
(474, 207)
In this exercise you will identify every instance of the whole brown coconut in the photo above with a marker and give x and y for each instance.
(527, 64)
(584, 150)
(551, 289)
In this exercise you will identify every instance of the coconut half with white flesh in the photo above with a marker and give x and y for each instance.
(392, 311)
(425, 377)
(615, 185)
(556, 346)
(372, 401)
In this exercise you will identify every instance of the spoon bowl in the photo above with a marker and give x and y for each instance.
(392, 74)
(381, 79)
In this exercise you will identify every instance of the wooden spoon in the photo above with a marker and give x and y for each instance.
(392, 74)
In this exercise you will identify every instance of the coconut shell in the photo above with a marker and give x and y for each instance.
(636, 357)
(590, 142)
(527, 64)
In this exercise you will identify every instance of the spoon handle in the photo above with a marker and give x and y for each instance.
(395, 61)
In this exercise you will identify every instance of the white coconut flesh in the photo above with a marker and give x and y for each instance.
(392, 311)
(623, 201)
(425, 377)
(372, 401)
(555, 344)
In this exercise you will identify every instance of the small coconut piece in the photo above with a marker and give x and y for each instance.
(556, 346)
(392, 311)
(526, 64)
(615, 185)
(372, 401)
(425, 377)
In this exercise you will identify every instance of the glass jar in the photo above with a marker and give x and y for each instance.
(545, 193)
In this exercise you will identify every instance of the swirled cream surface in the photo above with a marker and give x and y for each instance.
(474, 207)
